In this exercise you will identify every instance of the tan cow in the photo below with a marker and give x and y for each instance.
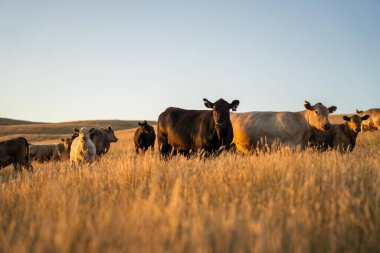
(340, 136)
(82, 149)
(50, 152)
(373, 123)
(268, 130)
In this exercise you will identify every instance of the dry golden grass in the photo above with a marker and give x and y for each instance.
(279, 202)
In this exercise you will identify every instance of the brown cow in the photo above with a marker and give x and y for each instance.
(184, 131)
(50, 152)
(144, 137)
(340, 136)
(267, 130)
(15, 151)
(373, 123)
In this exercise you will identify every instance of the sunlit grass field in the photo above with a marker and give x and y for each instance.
(278, 202)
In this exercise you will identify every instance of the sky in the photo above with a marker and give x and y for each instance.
(131, 59)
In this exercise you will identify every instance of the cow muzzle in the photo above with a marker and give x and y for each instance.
(84, 138)
(326, 127)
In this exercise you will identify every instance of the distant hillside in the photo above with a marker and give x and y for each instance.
(7, 122)
(54, 131)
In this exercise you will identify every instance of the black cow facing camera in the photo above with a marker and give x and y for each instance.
(144, 137)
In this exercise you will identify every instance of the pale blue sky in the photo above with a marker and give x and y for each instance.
(71, 60)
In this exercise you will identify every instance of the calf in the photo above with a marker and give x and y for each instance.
(144, 137)
(82, 148)
(341, 136)
(101, 138)
(51, 152)
(16, 152)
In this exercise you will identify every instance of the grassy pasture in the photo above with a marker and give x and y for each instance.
(278, 202)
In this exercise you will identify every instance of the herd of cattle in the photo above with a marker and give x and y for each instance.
(205, 132)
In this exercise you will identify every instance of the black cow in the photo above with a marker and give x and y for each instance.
(186, 131)
(144, 137)
(15, 151)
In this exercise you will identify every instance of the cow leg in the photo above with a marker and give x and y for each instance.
(137, 149)
(17, 167)
(166, 150)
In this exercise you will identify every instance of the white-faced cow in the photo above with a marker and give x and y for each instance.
(82, 149)
(101, 138)
(184, 131)
(373, 122)
(15, 151)
(340, 136)
(268, 130)
(144, 137)
(50, 152)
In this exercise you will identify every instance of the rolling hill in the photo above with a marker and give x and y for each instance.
(36, 132)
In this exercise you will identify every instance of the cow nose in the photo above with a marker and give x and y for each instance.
(84, 138)
(327, 127)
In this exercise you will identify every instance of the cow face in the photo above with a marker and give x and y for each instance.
(355, 122)
(145, 127)
(318, 116)
(221, 111)
(110, 133)
(221, 117)
(83, 133)
(67, 143)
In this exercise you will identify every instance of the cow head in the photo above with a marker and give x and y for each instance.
(67, 143)
(110, 133)
(355, 122)
(221, 113)
(83, 133)
(318, 115)
(145, 127)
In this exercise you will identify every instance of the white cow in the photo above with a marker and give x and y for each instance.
(82, 149)
(270, 129)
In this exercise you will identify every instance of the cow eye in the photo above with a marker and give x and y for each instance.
(316, 112)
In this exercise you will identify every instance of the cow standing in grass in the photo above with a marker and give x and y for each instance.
(340, 136)
(15, 151)
(268, 130)
(186, 131)
(144, 137)
(82, 149)
(101, 138)
(51, 152)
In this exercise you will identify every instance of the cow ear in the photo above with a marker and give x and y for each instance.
(346, 118)
(140, 124)
(332, 109)
(308, 106)
(76, 130)
(365, 117)
(234, 104)
(109, 127)
(208, 104)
